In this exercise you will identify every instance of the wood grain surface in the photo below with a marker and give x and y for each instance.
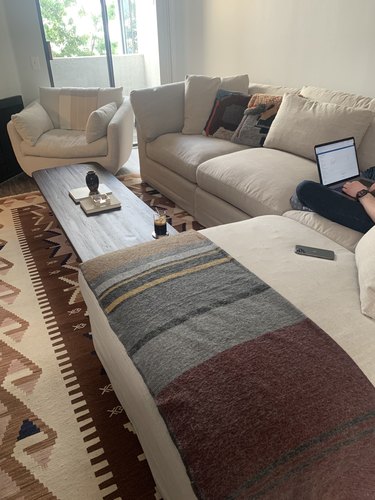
(95, 234)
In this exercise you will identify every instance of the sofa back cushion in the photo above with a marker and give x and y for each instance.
(110, 94)
(301, 123)
(75, 106)
(264, 88)
(70, 107)
(366, 150)
(49, 99)
(335, 96)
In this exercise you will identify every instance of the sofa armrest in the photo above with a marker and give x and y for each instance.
(159, 110)
(120, 135)
(15, 140)
(344, 236)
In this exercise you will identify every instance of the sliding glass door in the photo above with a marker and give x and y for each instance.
(101, 43)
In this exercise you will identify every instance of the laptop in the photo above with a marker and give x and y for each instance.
(337, 163)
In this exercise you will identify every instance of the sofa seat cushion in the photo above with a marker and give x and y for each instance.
(183, 153)
(342, 235)
(254, 180)
(58, 143)
(326, 291)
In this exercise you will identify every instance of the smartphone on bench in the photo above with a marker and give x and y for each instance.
(321, 253)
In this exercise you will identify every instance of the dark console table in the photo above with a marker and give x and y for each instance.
(9, 166)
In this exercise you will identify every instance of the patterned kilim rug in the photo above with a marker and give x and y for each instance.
(63, 433)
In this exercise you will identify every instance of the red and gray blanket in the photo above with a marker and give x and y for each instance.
(260, 402)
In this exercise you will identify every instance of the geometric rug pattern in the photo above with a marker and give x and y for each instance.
(63, 433)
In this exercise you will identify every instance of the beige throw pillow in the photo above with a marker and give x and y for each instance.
(200, 93)
(301, 123)
(98, 122)
(32, 122)
(364, 258)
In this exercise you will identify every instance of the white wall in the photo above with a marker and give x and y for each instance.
(26, 41)
(9, 82)
(148, 40)
(328, 43)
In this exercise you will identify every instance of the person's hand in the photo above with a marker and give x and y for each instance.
(372, 188)
(352, 188)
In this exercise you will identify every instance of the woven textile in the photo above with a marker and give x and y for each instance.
(257, 398)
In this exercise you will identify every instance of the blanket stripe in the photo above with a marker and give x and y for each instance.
(135, 291)
(259, 401)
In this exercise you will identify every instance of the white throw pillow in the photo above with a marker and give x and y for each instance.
(32, 122)
(98, 121)
(364, 258)
(301, 123)
(200, 93)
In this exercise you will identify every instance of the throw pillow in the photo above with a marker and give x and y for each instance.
(364, 258)
(227, 111)
(98, 121)
(301, 123)
(32, 122)
(200, 93)
(257, 120)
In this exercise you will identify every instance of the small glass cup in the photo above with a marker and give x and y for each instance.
(100, 200)
(160, 225)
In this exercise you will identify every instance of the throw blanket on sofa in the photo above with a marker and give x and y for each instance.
(259, 401)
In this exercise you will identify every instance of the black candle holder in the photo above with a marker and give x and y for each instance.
(92, 182)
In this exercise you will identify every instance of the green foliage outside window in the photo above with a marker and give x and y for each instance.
(61, 28)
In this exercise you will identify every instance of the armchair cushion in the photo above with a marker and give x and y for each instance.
(98, 121)
(53, 100)
(32, 122)
(75, 106)
(59, 143)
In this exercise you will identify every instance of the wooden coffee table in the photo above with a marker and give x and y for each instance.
(100, 233)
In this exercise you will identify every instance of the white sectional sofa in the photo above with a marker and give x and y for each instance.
(219, 181)
(330, 293)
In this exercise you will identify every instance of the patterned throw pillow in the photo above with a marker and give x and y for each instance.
(226, 113)
(257, 120)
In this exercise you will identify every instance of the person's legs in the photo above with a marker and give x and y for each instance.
(333, 206)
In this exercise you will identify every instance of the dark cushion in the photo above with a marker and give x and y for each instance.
(227, 111)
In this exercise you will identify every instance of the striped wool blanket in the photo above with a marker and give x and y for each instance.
(259, 401)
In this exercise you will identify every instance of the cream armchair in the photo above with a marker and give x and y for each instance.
(73, 125)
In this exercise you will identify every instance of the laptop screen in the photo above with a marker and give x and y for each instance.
(337, 161)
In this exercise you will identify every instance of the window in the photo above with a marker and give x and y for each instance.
(101, 42)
